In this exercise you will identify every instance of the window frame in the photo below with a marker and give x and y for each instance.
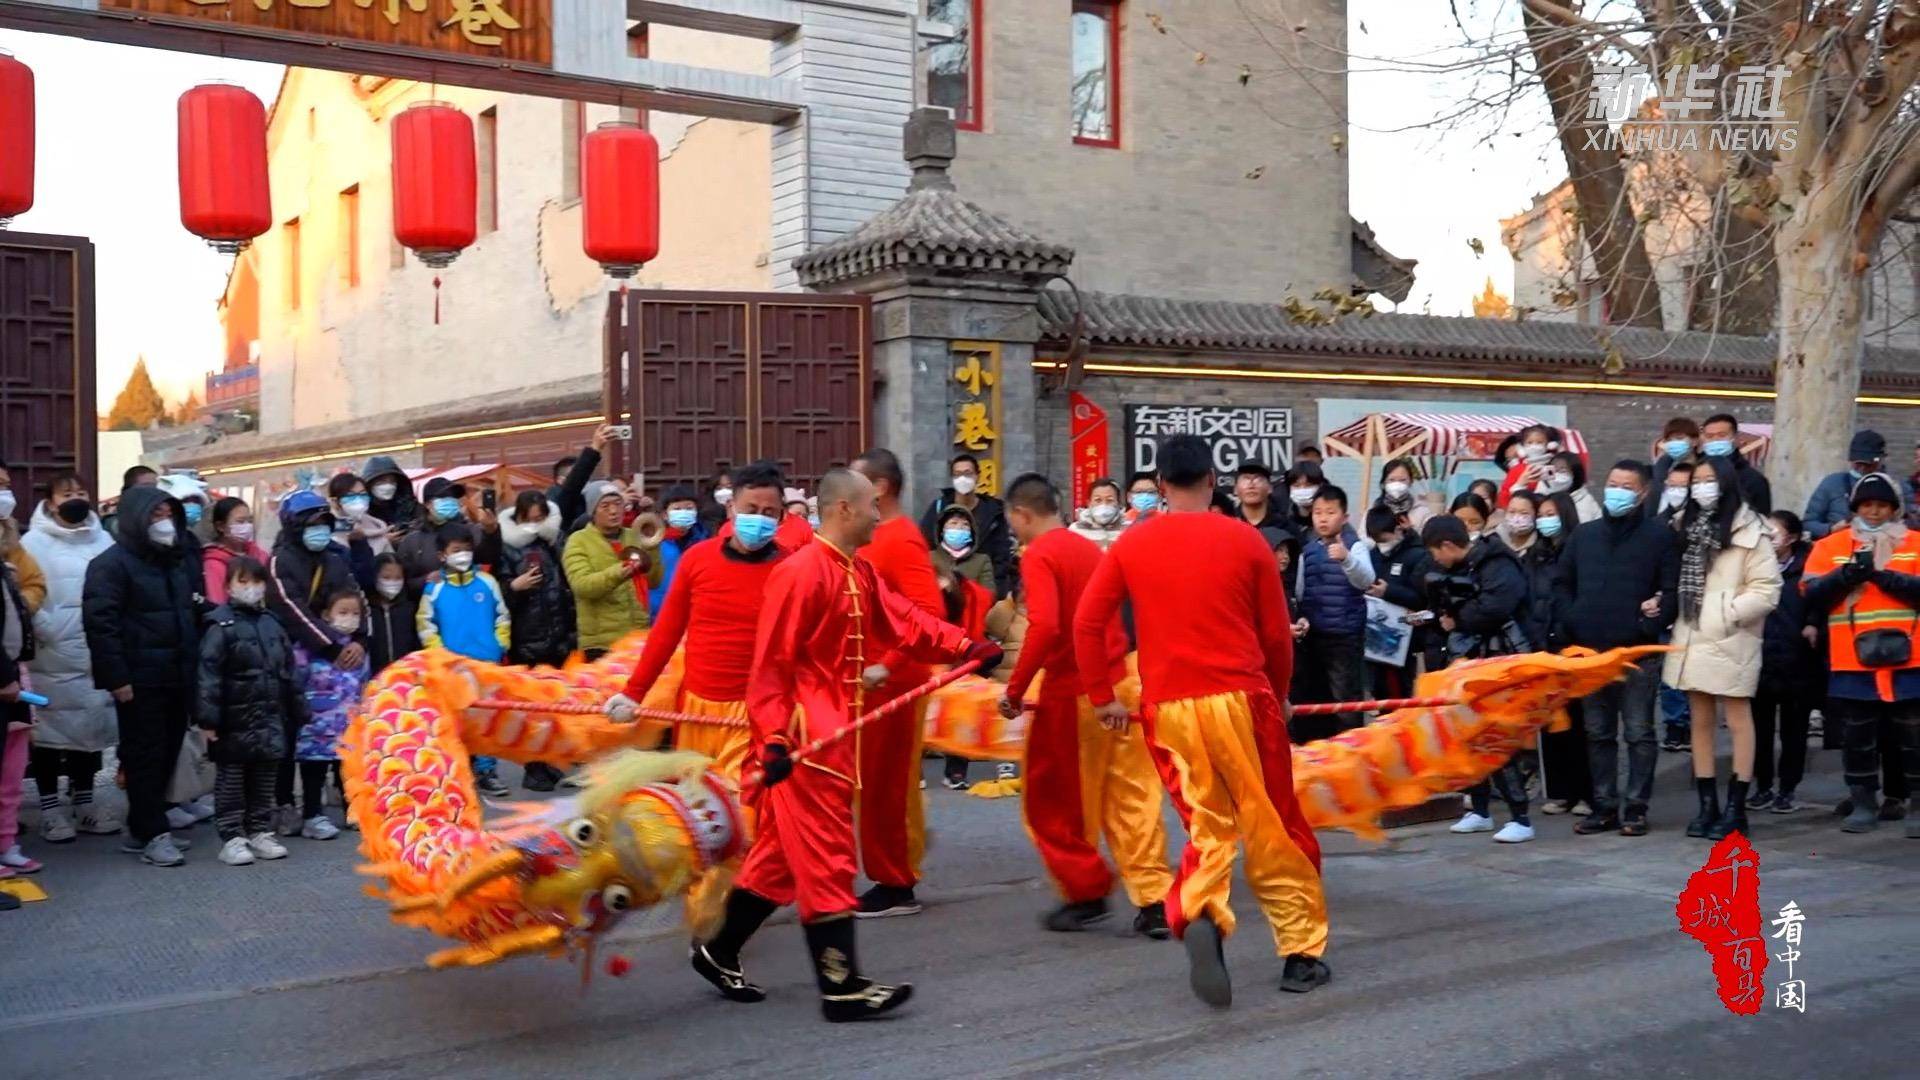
(290, 230)
(350, 236)
(976, 70)
(1110, 11)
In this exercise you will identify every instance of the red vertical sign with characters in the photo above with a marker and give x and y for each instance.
(1720, 908)
(1089, 446)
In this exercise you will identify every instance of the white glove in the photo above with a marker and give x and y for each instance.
(621, 708)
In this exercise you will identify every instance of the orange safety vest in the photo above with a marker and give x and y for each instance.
(1868, 607)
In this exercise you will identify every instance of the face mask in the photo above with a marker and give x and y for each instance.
(682, 518)
(356, 505)
(460, 561)
(1707, 495)
(1397, 489)
(7, 503)
(248, 595)
(1857, 475)
(1302, 496)
(957, 539)
(1549, 527)
(241, 531)
(1386, 546)
(346, 624)
(1862, 528)
(385, 491)
(74, 511)
(315, 538)
(723, 496)
(754, 530)
(1718, 448)
(446, 509)
(1104, 514)
(1144, 502)
(1620, 500)
(162, 532)
(964, 485)
(1676, 448)
(194, 512)
(390, 587)
(1556, 482)
(813, 520)
(1519, 524)
(1535, 453)
(1672, 497)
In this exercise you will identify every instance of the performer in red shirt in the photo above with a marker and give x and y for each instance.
(1215, 650)
(893, 820)
(826, 611)
(1081, 779)
(714, 605)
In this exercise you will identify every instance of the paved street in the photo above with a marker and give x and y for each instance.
(1452, 957)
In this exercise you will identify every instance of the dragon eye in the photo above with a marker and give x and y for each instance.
(617, 897)
(581, 832)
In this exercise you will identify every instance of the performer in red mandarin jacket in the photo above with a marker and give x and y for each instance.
(826, 613)
(1216, 649)
(893, 820)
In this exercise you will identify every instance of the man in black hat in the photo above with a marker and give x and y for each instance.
(420, 551)
(1829, 505)
(1253, 486)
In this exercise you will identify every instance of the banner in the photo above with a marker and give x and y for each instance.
(1089, 447)
(1237, 433)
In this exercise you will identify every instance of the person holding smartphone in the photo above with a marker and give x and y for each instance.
(538, 599)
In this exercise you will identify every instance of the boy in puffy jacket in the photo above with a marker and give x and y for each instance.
(463, 611)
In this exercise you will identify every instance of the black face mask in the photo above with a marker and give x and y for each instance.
(74, 511)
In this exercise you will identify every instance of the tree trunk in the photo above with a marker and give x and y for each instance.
(1817, 377)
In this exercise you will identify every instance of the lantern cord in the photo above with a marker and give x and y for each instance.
(436, 299)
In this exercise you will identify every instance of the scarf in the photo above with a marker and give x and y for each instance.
(1703, 543)
(1401, 506)
(1885, 540)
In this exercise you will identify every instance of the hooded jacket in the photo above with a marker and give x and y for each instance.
(543, 616)
(991, 533)
(141, 602)
(403, 511)
(976, 566)
(1502, 598)
(249, 690)
(298, 584)
(80, 715)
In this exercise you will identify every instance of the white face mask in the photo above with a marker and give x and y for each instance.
(1104, 514)
(1707, 494)
(1555, 482)
(1397, 489)
(1672, 497)
(1519, 524)
(251, 596)
(7, 503)
(241, 531)
(346, 624)
(162, 532)
(460, 562)
(1535, 453)
(390, 587)
(1302, 496)
(723, 496)
(964, 485)
(385, 490)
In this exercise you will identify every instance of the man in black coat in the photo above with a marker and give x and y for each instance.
(992, 535)
(538, 600)
(1619, 585)
(571, 475)
(141, 611)
(1719, 437)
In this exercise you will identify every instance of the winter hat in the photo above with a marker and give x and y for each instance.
(1867, 445)
(184, 486)
(599, 490)
(441, 487)
(1874, 487)
(301, 504)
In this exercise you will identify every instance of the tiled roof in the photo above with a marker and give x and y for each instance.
(933, 228)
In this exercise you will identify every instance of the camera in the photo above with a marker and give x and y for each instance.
(1448, 593)
(623, 432)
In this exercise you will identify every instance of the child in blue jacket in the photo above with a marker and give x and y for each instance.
(464, 611)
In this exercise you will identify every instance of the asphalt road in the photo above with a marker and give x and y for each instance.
(1452, 957)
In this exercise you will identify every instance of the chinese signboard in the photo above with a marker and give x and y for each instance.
(498, 29)
(1237, 433)
(1720, 908)
(1089, 446)
(973, 398)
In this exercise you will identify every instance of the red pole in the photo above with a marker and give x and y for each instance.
(891, 708)
(1376, 705)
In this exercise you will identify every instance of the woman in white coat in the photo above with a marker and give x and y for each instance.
(1729, 582)
(80, 722)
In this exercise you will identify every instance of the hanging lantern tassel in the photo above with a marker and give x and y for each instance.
(436, 299)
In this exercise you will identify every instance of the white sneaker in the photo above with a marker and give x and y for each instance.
(235, 852)
(1471, 823)
(99, 823)
(162, 851)
(1513, 833)
(319, 828)
(265, 846)
(201, 808)
(56, 826)
(178, 818)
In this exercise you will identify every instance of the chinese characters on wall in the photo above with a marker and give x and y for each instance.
(496, 29)
(973, 398)
(1237, 433)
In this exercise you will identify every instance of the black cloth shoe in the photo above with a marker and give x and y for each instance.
(1634, 821)
(1152, 921)
(1864, 816)
(540, 776)
(1892, 809)
(745, 911)
(1303, 973)
(9, 902)
(1708, 789)
(1207, 963)
(1068, 918)
(845, 994)
(730, 981)
(887, 901)
(1734, 819)
(1600, 821)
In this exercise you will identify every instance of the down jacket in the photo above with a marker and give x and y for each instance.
(249, 691)
(1721, 654)
(298, 585)
(543, 616)
(81, 715)
(142, 601)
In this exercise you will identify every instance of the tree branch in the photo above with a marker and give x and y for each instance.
(1573, 20)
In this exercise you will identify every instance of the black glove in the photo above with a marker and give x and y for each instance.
(1855, 571)
(987, 653)
(776, 764)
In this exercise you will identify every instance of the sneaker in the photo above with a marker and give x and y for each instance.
(1556, 806)
(1674, 745)
(319, 828)
(1471, 823)
(201, 808)
(1892, 809)
(887, 901)
(1597, 822)
(56, 827)
(1207, 963)
(286, 821)
(955, 783)
(134, 847)
(1783, 803)
(1513, 832)
(1152, 921)
(1581, 808)
(265, 846)
(1761, 799)
(1068, 918)
(13, 860)
(235, 852)
(540, 776)
(180, 818)
(1302, 973)
(162, 851)
(98, 823)
(491, 786)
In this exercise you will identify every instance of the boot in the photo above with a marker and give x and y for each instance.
(1709, 790)
(718, 960)
(1913, 816)
(1734, 820)
(845, 994)
(1866, 810)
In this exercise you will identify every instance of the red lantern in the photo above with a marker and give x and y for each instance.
(435, 184)
(620, 190)
(223, 166)
(16, 138)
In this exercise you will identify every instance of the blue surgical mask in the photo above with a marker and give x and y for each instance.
(356, 505)
(957, 537)
(1549, 527)
(1718, 447)
(1856, 474)
(813, 520)
(1145, 502)
(1619, 501)
(754, 530)
(1861, 528)
(1676, 448)
(316, 537)
(194, 512)
(682, 518)
(446, 509)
